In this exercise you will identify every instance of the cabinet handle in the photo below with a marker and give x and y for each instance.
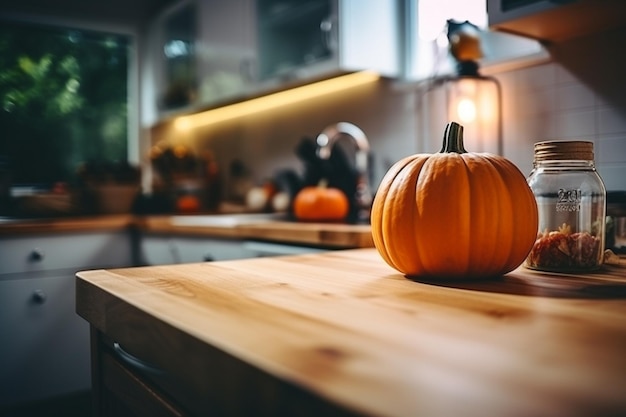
(136, 362)
(328, 37)
(39, 296)
(36, 255)
(246, 70)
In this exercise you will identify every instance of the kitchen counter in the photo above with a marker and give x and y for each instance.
(338, 235)
(19, 226)
(341, 333)
(331, 235)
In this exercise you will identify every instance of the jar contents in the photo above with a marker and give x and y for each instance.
(571, 200)
(564, 250)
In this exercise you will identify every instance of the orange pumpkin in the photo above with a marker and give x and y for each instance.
(454, 214)
(320, 203)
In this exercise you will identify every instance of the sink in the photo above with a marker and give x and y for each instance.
(226, 220)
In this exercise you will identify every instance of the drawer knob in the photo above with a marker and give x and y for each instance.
(36, 255)
(39, 296)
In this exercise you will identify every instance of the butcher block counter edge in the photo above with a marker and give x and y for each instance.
(53, 225)
(332, 235)
(345, 326)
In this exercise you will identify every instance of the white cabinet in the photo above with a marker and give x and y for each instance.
(300, 40)
(164, 250)
(172, 57)
(225, 50)
(203, 52)
(207, 53)
(62, 251)
(45, 345)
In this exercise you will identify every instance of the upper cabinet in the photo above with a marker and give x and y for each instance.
(226, 50)
(300, 40)
(176, 69)
(212, 52)
(555, 20)
(204, 53)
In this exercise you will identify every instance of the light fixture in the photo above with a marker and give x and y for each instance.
(473, 100)
(275, 100)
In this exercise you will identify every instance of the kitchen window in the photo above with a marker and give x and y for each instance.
(64, 101)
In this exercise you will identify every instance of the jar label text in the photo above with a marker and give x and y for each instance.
(568, 200)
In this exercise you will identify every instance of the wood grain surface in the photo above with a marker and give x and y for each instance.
(351, 331)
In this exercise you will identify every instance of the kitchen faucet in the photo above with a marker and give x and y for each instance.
(326, 140)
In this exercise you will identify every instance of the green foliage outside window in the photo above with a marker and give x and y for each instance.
(63, 101)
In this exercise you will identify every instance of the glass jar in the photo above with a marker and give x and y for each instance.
(571, 199)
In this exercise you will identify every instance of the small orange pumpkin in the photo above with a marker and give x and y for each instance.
(454, 214)
(320, 203)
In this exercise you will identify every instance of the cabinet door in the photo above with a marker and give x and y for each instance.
(175, 55)
(294, 34)
(225, 49)
(45, 344)
(163, 250)
(200, 250)
(312, 39)
(63, 251)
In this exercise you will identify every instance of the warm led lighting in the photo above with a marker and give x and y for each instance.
(466, 110)
(275, 100)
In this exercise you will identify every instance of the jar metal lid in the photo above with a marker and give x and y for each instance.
(564, 150)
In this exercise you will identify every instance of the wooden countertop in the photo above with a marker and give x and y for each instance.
(336, 235)
(65, 224)
(356, 334)
(332, 235)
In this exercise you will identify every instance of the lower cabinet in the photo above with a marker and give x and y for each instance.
(165, 372)
(121, 388)
(166, 249)
(45, 349)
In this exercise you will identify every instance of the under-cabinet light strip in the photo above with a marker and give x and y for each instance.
(275, 100)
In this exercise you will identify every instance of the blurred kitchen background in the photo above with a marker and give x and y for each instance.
(210, 106)
(558, 82)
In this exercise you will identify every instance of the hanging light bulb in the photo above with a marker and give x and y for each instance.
(472, 99)
(466, 110)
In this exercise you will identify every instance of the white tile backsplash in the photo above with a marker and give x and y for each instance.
(536, 79)
(611, 121)
(611, 150)
(574, 96)
(568, 99)
(576, 125)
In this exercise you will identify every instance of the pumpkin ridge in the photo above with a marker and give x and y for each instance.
(476, 228)
(401, 245)
(499, 254)
(475, 213)
(522, 221)
(380, 206)
(441, 199)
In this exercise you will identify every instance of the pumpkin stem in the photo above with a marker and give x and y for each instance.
(323, 183)
(453, 139)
